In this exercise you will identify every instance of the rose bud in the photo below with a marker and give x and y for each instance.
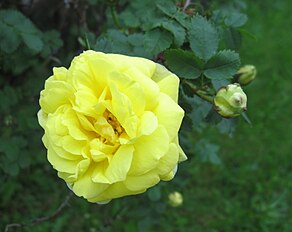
(230, 101)
(175, 199)
(246, 74)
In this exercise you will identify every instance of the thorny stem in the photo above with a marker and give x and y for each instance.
(42, 219)
(202, 94)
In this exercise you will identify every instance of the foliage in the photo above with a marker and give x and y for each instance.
(238, 186)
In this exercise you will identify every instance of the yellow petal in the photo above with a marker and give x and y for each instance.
(142, 182)
(120, 164)
(131, 89)
(114, 191)
(42, 118)
(169, 115)
(168, 161)
(167, 81)
(55, 94)
(85, 187)
(148, 123)
(148, 151)
(73, 146)
(85, 102)
(60, 164)
(150, 88)
(182, 155)
(60, 151)
(81, 168)
(124, 63)
(60, 73)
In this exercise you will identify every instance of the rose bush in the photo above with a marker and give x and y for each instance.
(111, 124)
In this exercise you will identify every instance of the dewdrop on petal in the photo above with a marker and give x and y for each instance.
(175, 199)
(246, 74)
(230, 101)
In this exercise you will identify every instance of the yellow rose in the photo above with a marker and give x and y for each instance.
(111, 124)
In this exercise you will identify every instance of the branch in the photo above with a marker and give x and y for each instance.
(41, 219)
(200, 93)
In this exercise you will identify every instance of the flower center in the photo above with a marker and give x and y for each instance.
(112, 120)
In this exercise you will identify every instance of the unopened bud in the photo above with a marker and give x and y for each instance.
(175, 199)
(246, 74)
(230, 101)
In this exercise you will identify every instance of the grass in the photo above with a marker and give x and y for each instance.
(250, 191)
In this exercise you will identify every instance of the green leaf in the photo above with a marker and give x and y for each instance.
(217, 84)
(157, 40)
(103, 45)
(232, 38)
(182, 19)
(177, 30)
(8, 97)
(33, 41)
(200, 110)
(12, 17)
(9, 39)
(167, 7)
(129, 19)
(235, 19)
(11, 168)
(136, 40)
(223, 65)
(203, 37)
(208, 152)
(227, 126)
(184, 63)
(154, 193)
(20, 25)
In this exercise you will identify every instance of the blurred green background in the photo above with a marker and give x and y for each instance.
(250, 189)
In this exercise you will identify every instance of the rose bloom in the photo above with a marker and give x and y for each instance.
(111, 124)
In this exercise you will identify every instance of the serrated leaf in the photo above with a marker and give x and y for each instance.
(12, 17)
(11, 168)
(217, 84)
(136, 39)
(129, 19)
(182, 19)
(232, 38)
(184, 63)
(177, 30)
(223, 65)
(227, 126)
(9, 39)
(208, 152)
(167, 7)
(33, 41)
(53, 37)
(235, 19)
(200, 110)
(20, 25)
(157, 40)
(103, 45)
(203, 37)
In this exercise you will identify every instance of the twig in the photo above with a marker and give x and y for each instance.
(42, 219)
(187, 3)
(200, 93)
(114, 16)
